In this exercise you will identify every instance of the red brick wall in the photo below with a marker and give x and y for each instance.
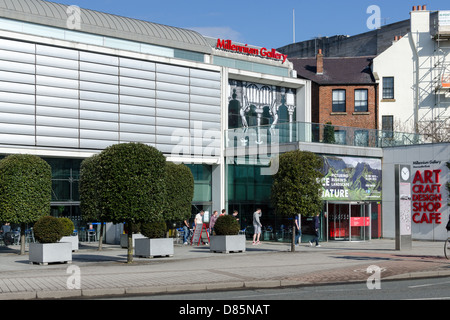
(322, 107)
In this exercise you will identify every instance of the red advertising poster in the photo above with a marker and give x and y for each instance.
(360, 222)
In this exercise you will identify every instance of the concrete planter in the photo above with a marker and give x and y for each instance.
(227, 244)
(151, 248)
(124, 239)
(73, 240)
(45, 253)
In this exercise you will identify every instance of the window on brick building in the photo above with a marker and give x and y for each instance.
(361, 100)
(388, 87)
(339, 100)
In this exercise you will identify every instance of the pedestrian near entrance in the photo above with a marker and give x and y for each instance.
(316, 230)
(212, 222)
(298, 229)
(257, 226)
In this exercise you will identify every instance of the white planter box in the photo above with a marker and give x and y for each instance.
(45, 253)
(226, 244)
(73, 240)
(124, 239)
(150, 248)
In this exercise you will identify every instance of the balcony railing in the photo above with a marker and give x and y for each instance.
(285, 133)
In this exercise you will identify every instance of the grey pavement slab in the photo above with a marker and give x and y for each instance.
(96, 273)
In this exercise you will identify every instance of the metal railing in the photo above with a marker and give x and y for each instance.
(285, 133)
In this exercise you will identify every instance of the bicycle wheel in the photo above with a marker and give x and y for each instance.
(447, 249)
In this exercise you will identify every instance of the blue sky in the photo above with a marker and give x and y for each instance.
(267, 23)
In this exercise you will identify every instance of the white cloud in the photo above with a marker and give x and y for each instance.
(219, 32)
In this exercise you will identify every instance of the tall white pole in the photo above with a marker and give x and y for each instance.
(293, 24)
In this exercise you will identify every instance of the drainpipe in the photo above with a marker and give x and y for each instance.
(416, 85)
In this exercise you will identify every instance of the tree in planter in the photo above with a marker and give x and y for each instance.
(25, 191)
(90, 201)
(49, 229)
(296, 186)
(132, 186)
(226, 225)
(67, 227)
(179, 192)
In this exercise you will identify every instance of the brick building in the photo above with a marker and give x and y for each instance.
(344, 91)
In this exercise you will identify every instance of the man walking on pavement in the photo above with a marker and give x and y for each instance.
(316, 230)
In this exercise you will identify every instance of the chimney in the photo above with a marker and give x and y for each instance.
(319, 65)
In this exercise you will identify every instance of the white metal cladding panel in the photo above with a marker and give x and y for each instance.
(137, 92)
(206, 75)
(16, 108)
(17, 98)
(172, 88)
(137, 101)
(28, 119)
(10, 128)
(57, 72)
(17, 87)
(203, 108)
(66, 54)
(96, 144)
(57, 122)
(57, 142)
(7, 55)
(99, 96)
(136, 110)
(173, 105)
(99, 68)
(137, 128)
(57, 132)
(175, 70)
(175, 114)
(99, 135)
(137, 119)
(99, 87)
(57, 82)
(17, 67)
(137, 64)
(172, 96)
(137, 83)
(99, 59)
(138, 74)
(98, 106)
(57, 102)
(173, 79)
(17, 77)
(56, 92)
(57, 62)
(97, 77)
(99, 127)
(17, 139)
(57, 112)
(137, 137)
(17, 46)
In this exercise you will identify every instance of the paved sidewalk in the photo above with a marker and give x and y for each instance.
(268, 265)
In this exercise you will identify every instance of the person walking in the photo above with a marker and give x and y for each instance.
(316, 230)
(298, 229)
(212, 222)
(257, 226)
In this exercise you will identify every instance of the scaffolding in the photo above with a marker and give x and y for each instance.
(438, 123)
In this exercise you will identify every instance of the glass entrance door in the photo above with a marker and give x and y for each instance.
(338, 221)
(360, 222)
(349, 221)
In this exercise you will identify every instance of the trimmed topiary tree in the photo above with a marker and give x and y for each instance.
(90, 200)
(154, 230)
(67, 227)
(296, 186)
(132, 185)
(226, 225)
(179, 183)
(25, 191)
(49, 229)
